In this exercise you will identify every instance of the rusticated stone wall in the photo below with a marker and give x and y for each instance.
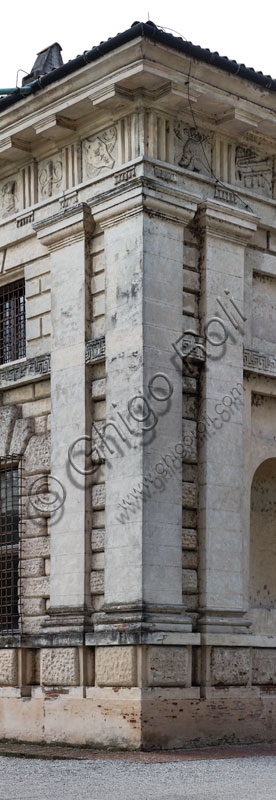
(25, 431)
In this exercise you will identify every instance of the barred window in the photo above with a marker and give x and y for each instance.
(12, 322)
(9, 544)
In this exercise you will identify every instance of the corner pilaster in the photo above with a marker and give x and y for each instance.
(225, 230)
(66, 235)
(144, 231)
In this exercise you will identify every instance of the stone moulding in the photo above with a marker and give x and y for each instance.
(30, 369)
(25, 370)
(260, 363)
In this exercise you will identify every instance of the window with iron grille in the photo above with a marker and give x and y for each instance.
(12, 321)
(9, 544)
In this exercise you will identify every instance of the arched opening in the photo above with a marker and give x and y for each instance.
(263, 548)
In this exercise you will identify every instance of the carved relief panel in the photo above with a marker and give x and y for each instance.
(193, 148)
(50, 177)
(9, 196)
(254, 171)
(99, 153)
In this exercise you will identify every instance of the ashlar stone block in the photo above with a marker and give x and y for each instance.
(97, 539)
(189, 581)
(168, 666)
(116, 666)
(32, 568)
(231, 666)
(8, 667)
(189, 539)
(189, 495)
(37, 455)
(264, 666)
(97, 582)
(189, 560)
(99, 389)
(35, 548)
(33, 607)
(98, 496)
(60, 666)
(189, 440)
(22, 432)
(8, 415)
(35, 587)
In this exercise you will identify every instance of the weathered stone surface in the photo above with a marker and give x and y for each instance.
(97, 561)
(190, 256)
(37, 407)
(189, 560)
(35, 587)
(32, 568)
(99, 474)
(189, 581)
(98, 389)
(99, 519)
(189, 406)
(47, 566)
(98, 496)
(34, 527)
(264, 666)
(32, 607)
(189, 384)
(190, 602)
(97, 539)
(41, 424)
(34, 548)
(189, 472)
(97, 582)
(168, 666)
(189, 518)
(189, 539)
(33, 624)
(37, 455)
(231, 666)
(22, 432)
(8, 667)
(97, 601)
(60, 666)
(189, 440)
(115, 666)
(8, 415)
(189, 495)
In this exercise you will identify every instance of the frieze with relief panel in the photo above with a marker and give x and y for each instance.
(99, 153)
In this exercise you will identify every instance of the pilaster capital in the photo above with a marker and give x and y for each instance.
(226, 222)
(144, 196)
(68, 226)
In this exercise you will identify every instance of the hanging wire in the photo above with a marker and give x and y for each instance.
(217, 180)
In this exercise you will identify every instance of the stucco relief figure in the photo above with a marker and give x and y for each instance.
(254, 171)
(99, 152)
(50, 178)
(194, 146)
(9, 197)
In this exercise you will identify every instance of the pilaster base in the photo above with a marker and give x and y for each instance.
(215, 621)
(136, 623)
(66, 619)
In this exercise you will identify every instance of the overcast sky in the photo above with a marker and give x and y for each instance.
(242, 30)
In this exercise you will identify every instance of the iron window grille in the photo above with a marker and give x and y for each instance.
(10, 519)
(12, 322)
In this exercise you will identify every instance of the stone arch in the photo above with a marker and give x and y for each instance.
(15, 432)
(262, 585)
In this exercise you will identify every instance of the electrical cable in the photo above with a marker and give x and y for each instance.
(217, 180)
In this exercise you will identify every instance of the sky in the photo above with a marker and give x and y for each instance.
(241, 30)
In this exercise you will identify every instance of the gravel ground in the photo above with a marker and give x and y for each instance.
(227, 779)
